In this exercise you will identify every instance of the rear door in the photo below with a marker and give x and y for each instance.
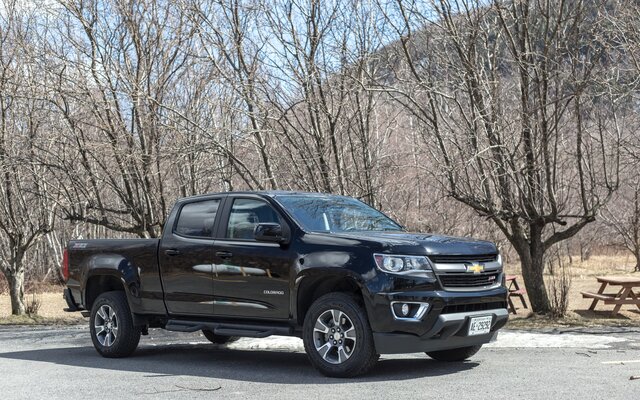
(186, 257)
(251, 278)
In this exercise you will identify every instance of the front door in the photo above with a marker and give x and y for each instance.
(251, 278)
(186, 258)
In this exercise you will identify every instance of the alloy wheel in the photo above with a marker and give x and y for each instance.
(106, 325)
(334, 336)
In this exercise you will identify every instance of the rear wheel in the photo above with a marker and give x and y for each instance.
(337, 336)
(111, 325)
(218, 339)
(459, 354)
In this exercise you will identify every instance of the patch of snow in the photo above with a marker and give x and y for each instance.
(506, 339)
(279, 343)
(572, 340)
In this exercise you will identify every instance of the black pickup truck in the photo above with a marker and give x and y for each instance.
(348, 280)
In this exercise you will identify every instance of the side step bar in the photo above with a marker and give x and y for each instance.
(229, 329)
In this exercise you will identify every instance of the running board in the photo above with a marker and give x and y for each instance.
(229, 329)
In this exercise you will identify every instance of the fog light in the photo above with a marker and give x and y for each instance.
(409, 311)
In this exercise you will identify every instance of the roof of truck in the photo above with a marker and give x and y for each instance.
(270, 193)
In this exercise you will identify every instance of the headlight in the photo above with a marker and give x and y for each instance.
(404, 265)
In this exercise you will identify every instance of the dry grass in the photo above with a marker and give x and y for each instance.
(40, 320)
(51, 310)
(583, 278)
(594, 266)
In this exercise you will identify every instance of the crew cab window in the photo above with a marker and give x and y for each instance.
(245, 215)
(197, 219)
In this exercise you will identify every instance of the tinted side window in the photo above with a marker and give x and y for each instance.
(196, 219)
(246, 214)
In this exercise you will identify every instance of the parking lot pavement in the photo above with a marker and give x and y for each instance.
(61, 363)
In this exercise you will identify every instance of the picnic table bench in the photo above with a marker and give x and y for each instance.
(515, 291)
(625, 295)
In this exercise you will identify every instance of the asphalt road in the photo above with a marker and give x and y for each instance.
(60, 363)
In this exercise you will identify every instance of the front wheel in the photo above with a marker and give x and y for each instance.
(459, 354)
(111, 325)
(337, 337)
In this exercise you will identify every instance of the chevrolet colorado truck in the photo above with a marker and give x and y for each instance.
(344, 277)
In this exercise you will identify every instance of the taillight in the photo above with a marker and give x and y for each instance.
(65, 265)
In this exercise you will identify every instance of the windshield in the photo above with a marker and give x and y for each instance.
(335, 214)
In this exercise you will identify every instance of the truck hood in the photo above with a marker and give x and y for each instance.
(423, 243)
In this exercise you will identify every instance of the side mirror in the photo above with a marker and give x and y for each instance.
(269, 232)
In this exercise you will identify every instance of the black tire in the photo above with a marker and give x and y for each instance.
(357, 346)
(218, 339)
(459, 354)
(124, 336)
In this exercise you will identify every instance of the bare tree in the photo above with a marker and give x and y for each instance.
(298, 70)
(516, 101)
(117, 74)
(237, 55)
(26, 214)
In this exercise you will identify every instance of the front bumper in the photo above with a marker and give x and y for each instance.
(448, 332)
(441, 302)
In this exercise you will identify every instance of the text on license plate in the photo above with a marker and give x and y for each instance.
(480, 325)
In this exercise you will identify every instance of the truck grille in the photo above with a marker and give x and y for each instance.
(479, 258)
(467, 280)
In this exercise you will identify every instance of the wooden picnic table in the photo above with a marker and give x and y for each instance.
(625, 295)
(514, 291)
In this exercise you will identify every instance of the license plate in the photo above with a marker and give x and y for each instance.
(480, 325)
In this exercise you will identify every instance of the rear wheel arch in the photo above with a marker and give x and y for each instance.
(98, 284)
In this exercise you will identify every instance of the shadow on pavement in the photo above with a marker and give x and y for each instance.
(241, 365)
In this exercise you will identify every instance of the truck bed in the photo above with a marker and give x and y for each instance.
(133, 260)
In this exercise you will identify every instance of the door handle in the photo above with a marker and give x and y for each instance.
(172, 252)
(224, 254)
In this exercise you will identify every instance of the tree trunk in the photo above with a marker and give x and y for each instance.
(16, 291)
(531, 254)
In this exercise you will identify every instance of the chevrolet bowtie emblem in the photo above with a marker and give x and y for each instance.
(475, 268)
